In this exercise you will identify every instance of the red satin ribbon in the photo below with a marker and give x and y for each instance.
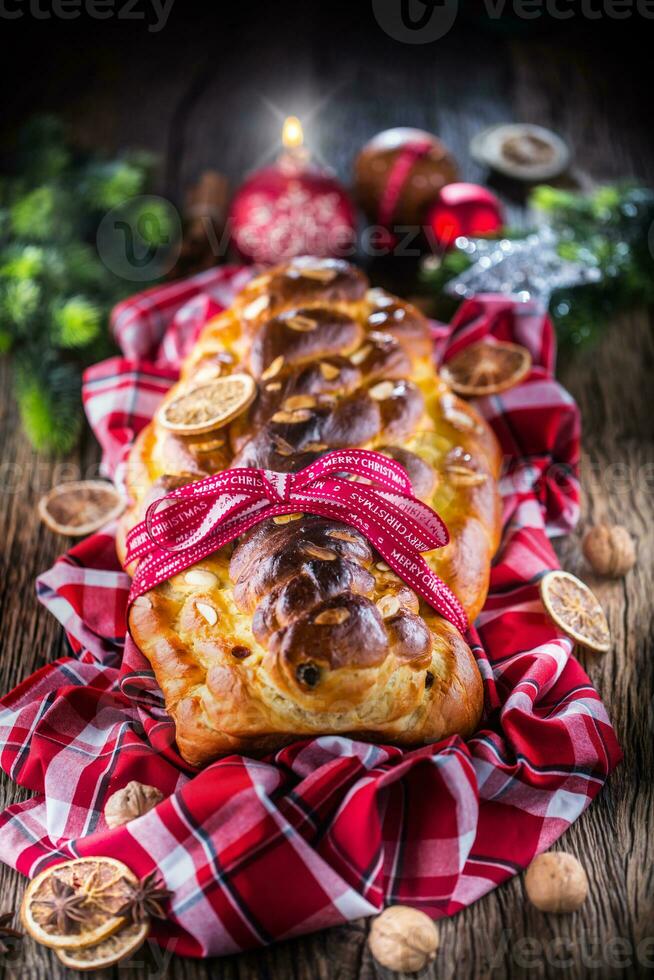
(400, 170)
(194, 521)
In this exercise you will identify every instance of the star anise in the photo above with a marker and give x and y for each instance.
(7, 932)
(66, 907)
(145, 899)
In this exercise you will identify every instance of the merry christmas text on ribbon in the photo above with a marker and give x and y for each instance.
(189, 523)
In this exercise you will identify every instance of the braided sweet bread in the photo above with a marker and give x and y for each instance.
(299, 628)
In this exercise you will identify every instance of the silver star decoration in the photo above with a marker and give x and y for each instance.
(529, 268)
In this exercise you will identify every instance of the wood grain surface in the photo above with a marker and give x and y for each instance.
(200, 94)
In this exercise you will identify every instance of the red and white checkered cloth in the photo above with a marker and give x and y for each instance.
(328, 829)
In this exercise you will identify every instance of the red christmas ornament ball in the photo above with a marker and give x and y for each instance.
(398, 174)
(464, 209)
(291, 209)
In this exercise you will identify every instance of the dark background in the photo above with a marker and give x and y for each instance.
(199, 94)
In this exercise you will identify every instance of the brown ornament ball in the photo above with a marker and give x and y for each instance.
(398, 174)
(609, 550)
(556, 882)
(403, 939)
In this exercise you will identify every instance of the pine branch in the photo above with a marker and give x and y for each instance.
(75, 322)
(54, 291)
(48, 395)
(20, 300)
(607, 230)
(41, 214)
(108, 185)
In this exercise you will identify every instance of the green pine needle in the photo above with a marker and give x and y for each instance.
(20, 300)
(6, 340)
(80, 267)
(54, 290)
(76, 322)
(22, 262)
(111, 184)
(152, 220)
(37, 215)
(48, 401)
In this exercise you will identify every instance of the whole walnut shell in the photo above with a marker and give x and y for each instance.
(132, 801)
(403, 939)
(609, 550)
(556, 882)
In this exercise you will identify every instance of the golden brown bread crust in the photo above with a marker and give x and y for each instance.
(299, 628)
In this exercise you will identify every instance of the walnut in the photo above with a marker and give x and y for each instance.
(403, 939)
(556, 882)
(609, 550)
(132, 801)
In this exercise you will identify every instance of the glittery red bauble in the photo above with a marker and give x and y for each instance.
(398, 175)
(464, 209)
(288, 210)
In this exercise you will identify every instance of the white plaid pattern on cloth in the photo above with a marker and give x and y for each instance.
(347, 825)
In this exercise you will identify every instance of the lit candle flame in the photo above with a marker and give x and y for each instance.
(292, 134)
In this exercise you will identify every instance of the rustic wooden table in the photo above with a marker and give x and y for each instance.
(200, 95)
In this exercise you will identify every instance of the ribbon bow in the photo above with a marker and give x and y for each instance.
(192, 522)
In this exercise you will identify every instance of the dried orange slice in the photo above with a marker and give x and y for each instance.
(208, 406)
(80, 507)
(112, 950)
(575, 610)
(74, 904)
(485, 369)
